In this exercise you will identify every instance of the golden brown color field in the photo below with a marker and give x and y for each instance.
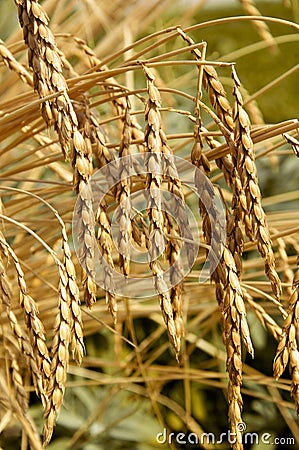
(208, 100)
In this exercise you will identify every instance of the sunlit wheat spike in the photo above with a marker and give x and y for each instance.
(252, 211)
(45, 61)
(83, 168)
(33, 322)
(230, 300)
(220, 103)
(28, 426)
(24, 344)
(287, 349)
(17, 390)
(104, 156)
(14, 65)
(154, 163)
(123, 196)
(106, 245)
(60, 360)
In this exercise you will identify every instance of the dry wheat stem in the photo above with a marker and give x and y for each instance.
(111, 86)
(266, 320)
(286, 271)
(293, 142)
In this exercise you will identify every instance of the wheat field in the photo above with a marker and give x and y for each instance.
(140, 140)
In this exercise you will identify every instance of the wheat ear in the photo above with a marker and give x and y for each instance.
(231, 304)
(44, 59)
(287, 349)
(14, 65)
(18, 390)
(154, 164)
(34, 324)
(254, 216)
(10, 403)
(123, 197)
(228, 291)
(24, 344)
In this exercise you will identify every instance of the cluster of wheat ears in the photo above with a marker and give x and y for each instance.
(64, 114)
